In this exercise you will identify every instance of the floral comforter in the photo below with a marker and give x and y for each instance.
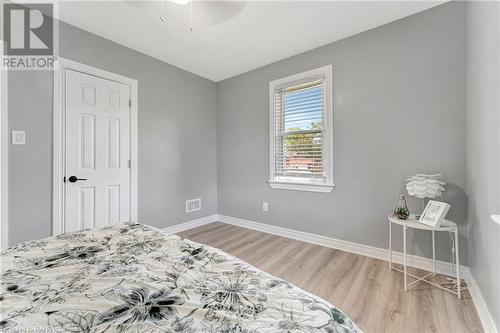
(135, 278)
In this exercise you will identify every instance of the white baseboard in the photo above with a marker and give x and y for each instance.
(191, 224)
(369, 251)
(484, 314)
(365, 250)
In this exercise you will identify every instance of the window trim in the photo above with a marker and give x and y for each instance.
(297, 183)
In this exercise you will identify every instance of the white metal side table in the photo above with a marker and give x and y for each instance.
(413, 223)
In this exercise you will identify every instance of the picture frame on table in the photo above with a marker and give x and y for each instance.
(434, 213)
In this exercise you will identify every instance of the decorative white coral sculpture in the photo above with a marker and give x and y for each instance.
(425, 186)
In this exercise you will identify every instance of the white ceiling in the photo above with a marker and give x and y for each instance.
(230, 38)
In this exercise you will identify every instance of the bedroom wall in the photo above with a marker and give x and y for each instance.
(177, 140)
(483, 147)
(399, 108)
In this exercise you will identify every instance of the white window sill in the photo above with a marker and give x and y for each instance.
(309, 187)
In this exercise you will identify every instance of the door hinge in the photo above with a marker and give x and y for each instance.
(129, 164)
(129, 103)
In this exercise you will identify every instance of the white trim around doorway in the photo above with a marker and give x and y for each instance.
(4, 152)
(59, 136)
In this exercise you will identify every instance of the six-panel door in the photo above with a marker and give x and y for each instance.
(97, 151)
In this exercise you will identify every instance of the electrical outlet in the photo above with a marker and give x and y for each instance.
(265, 206)
(193, 205)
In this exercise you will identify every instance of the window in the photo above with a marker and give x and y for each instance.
(301, 131)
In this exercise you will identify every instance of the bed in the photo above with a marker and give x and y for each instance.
(134, 278)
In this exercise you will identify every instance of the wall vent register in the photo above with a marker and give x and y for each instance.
(193, 205)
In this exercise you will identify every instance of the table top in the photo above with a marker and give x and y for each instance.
(412, 222)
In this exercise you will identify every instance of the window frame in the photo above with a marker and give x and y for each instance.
(297, 183)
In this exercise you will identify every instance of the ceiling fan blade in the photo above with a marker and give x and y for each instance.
(140, 4)
(216, 12)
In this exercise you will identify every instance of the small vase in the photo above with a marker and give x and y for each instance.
(401, 211)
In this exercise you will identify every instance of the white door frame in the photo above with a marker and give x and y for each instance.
(59, 171)
(4, 153)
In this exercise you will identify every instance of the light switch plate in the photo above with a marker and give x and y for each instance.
(18, 138)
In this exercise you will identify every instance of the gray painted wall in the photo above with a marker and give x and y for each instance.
(399, 108)
(483, 147)
(177, 140)
(391, 84)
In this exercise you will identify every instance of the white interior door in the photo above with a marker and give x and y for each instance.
(97, 127)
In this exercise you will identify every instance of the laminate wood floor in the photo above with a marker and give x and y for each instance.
(364, 288)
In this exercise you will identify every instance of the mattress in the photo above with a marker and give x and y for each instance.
(134, 278)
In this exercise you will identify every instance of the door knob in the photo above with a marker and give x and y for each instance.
(74, 179)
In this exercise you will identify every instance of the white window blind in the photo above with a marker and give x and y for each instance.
(299, 129)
